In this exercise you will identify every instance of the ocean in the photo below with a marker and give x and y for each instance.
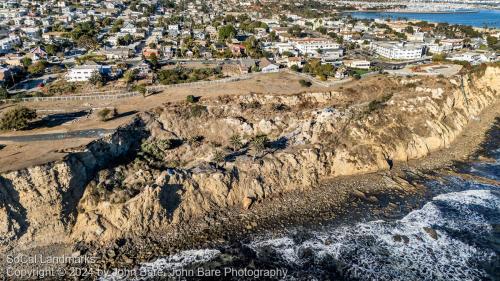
(453, 236)
(480, 18)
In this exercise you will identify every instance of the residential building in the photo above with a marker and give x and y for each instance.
(117, 53)
(246, 65)
(267, 66)
(83, 73)
(308, 46)
(8, 43)
(398, 50)
(361, 64)
(5, 74)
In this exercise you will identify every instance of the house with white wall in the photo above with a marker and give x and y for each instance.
(398, 50)
(82, 73)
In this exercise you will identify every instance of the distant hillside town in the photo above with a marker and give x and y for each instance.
(168, 42)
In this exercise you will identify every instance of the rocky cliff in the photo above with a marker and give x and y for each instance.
(182, 162)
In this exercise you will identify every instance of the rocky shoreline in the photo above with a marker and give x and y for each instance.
(349, 177)
(384, 195)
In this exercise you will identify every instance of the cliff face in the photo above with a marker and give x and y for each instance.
(38, 204)
(177, 176)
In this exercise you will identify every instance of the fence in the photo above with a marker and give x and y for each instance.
(202, 83)
(75, 98)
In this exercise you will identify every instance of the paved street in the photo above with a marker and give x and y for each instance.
(91, 133)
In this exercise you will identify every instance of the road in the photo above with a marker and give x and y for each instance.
(31, 84)
(91, 133)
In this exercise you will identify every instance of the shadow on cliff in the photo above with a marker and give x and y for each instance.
(120, 149)
(10, 200)
(170, 198)
(57, 119)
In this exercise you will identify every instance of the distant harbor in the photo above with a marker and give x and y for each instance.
(477, 18)
(420, 12)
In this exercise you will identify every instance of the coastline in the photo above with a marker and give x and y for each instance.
(477, 18)
(380, 195)
(385, 194)
(413, 12)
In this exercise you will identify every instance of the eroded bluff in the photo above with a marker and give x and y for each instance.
(180, 162)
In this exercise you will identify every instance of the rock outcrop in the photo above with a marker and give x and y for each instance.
(179, 174)
(38, 204)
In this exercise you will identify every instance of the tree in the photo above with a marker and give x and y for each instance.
(125, 40)
(322, 30)
(409, 29)
(141, 89)
(252, 47)
(38, 68)
(96, 78)
(26, 62)
(492, 42)
(227, 32)
(259, 144)
(51, 49)
(17, 118)
(439, 57)
(295, 31)
(86, 42)
(235, 141)
(153, 60)
(130, 75)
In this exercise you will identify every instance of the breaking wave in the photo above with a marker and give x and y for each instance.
(454, 236)
(450, 238)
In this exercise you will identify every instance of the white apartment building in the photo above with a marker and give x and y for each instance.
(8, 43)
(398, 50)
(312, 45)
(473, 58)
(82, 73)
(284, 47)
(446, 46)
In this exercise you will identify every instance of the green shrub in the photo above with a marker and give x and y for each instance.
(17, 118)
(191, 99)
(379, 103)
(195, 140)
(250, 105)
(439, 57)
(3, 93)
(197, 110)
(107, 114)
(305, 83)
(235, 141)
(259, 143)
(156, 147)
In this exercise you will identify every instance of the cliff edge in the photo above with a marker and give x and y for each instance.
(182, 162)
